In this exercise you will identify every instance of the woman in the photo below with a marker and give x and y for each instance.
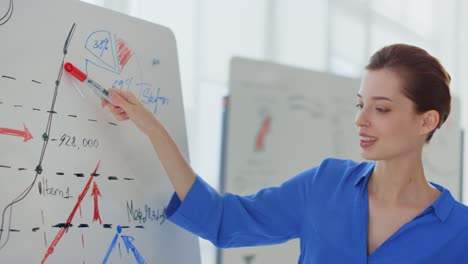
(382, 211)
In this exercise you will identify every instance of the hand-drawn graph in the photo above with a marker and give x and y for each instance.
(6, 221)
(91, 188)
(111, 54)
(57, 204)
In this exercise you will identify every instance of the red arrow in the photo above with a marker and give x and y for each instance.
(18, 133)
(96, 193)
(51, 248)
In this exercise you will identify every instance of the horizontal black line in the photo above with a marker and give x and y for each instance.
(112, 178)
(18, 106)
(107, 225)
(60, 173)
(129, 179)
(36, 109)
(124, 226)
(72, 116)
(21, 169)
(79, 174)
(92, 120)
(112, 123)
(141, 227)
(35, 229)
(62, 225)
(95, 174)
(4, 166)
(14, 230)
(54, 139)
(8, 77)
(34, 81)
(1, 102)
(83, 226)
(53, 112)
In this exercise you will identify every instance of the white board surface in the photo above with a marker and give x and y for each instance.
(63, 214)
(283, 120)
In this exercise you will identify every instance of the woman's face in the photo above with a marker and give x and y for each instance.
(388, 124)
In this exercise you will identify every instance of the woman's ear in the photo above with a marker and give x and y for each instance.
(430, 121)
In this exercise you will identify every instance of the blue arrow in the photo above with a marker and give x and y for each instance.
(128, 244)
(112, 245)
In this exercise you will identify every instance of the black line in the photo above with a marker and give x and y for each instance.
(52, 112)
(36, 109)
(11, 230)
(8, 77)
(38, 169)
(107, 225)
(72, 116)
(129, 179)
(83, 226)
(114, 124)
(4, 166)
(54, 139)
(60, 173)
(112, 178)
(22, 169)
(34, 81)
(17, 106)
(5, 18)
(42, 215)
(141, 227)
(80, 175)
(35, 229)
(125, 227)
(95, 174)
(45, 240)
(92, 120)
(63, 225)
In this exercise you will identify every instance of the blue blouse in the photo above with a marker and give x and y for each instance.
(326, 207)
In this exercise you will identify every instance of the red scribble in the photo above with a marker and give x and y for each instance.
(264, 129)
(96, 193)
(62, 231)
(17, 133)
(124, 53)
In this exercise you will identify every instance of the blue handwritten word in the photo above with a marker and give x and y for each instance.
(101, 45)
(148, 98)
(121, 84)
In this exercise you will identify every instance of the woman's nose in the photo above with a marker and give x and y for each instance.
(361, 119)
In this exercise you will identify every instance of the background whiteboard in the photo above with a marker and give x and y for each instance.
(130, 190)
(283, 120)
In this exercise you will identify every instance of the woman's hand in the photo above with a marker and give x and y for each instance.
(124, 105)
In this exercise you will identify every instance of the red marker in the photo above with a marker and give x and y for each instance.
(81, 76)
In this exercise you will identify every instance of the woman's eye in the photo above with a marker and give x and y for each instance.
(382, 110)
(359, 106)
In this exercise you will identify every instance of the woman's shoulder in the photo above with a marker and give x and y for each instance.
(346, 166)
(333, 171)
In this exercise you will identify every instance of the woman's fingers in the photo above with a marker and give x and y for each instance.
(104, 102)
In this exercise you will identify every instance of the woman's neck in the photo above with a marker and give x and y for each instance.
(401, 181)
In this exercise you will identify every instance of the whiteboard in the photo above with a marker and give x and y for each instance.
(102, 192)
(283, 120)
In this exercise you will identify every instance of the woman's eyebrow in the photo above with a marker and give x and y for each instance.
(377, 98)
